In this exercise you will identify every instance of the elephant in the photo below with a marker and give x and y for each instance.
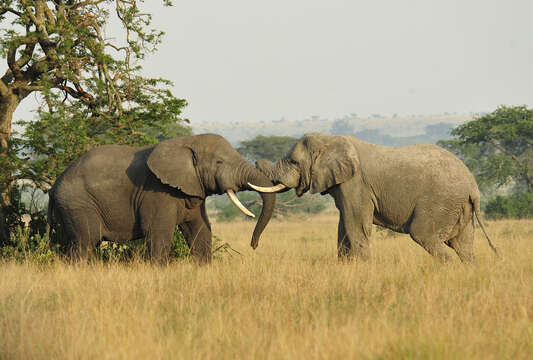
(121, 193)
(421, 190)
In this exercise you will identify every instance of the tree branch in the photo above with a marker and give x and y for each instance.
(524, 167)
(6, 9)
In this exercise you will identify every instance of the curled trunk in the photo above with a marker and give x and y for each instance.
(254, 176)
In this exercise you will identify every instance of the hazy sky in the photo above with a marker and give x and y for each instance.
(245, 60)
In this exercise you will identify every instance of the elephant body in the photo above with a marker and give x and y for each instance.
(421, 190)
(121, 193)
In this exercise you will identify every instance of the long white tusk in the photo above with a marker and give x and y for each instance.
(238, 204)
(271, 189)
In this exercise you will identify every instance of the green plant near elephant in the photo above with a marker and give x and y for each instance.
(27, 247)
(517, 206)
(109, 251)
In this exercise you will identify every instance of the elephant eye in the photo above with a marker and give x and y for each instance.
(220, 162)
(293, 162)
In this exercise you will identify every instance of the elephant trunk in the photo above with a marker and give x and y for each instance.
(270, 169)
(276, 172)
(254, 176)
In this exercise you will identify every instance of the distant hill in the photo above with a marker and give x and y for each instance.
(396, 130)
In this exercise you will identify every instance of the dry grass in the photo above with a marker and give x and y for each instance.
(290, 299)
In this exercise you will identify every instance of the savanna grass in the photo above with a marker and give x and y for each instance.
(289, 299)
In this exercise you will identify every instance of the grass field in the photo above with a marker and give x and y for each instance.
(289, 299)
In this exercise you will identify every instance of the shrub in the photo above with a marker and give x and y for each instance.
(27, 247)
(518, 206)
(112, 251)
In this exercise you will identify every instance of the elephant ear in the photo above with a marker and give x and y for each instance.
(175, 164)
(336, 163)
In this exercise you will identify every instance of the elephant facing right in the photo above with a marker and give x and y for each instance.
(421, 190)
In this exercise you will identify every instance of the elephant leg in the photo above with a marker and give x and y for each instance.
(197, 232)
(159, 240)
(430, 231)
(83, 231)
(463, 243)
(158, 220)
(355, 223)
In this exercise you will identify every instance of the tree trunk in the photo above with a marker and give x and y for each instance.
(8, 105)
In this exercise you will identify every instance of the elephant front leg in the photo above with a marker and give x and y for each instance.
(197, 232)
(355, 226)
(159, 241)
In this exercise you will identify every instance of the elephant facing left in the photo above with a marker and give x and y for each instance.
(120, 193)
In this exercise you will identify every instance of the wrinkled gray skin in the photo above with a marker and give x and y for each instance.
(421, 190)
(120, 193)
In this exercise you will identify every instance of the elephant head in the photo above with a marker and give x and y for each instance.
(316, 163)
(207, 164)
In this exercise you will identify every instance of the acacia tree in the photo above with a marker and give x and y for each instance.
(271, 148)
(498, 147)
(89, 84)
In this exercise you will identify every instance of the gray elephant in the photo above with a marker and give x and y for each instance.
(120, 193)
(422, 190)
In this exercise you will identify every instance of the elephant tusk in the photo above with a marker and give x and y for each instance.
(238, 204)
(270, 189)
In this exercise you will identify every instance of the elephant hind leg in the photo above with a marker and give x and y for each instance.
(83, 233)
(463, 243)
(431, 232)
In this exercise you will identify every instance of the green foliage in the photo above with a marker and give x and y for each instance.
(498, 147)
(518, 206)
(25, 247)
(271, 148)
(60, 136)
(36, 248)
(122, 252)
(179, 248)
(479, 159)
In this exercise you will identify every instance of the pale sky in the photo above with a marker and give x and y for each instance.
(247, 61)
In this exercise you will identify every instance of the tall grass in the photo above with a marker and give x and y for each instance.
(289, 299)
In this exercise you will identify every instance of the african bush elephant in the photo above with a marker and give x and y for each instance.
(422, 190)
(120, 193)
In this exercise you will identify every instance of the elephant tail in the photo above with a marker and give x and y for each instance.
(51, 216)
(477, 211)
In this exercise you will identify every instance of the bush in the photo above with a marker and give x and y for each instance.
(27, 247)
(112, 251)
(519, 206)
